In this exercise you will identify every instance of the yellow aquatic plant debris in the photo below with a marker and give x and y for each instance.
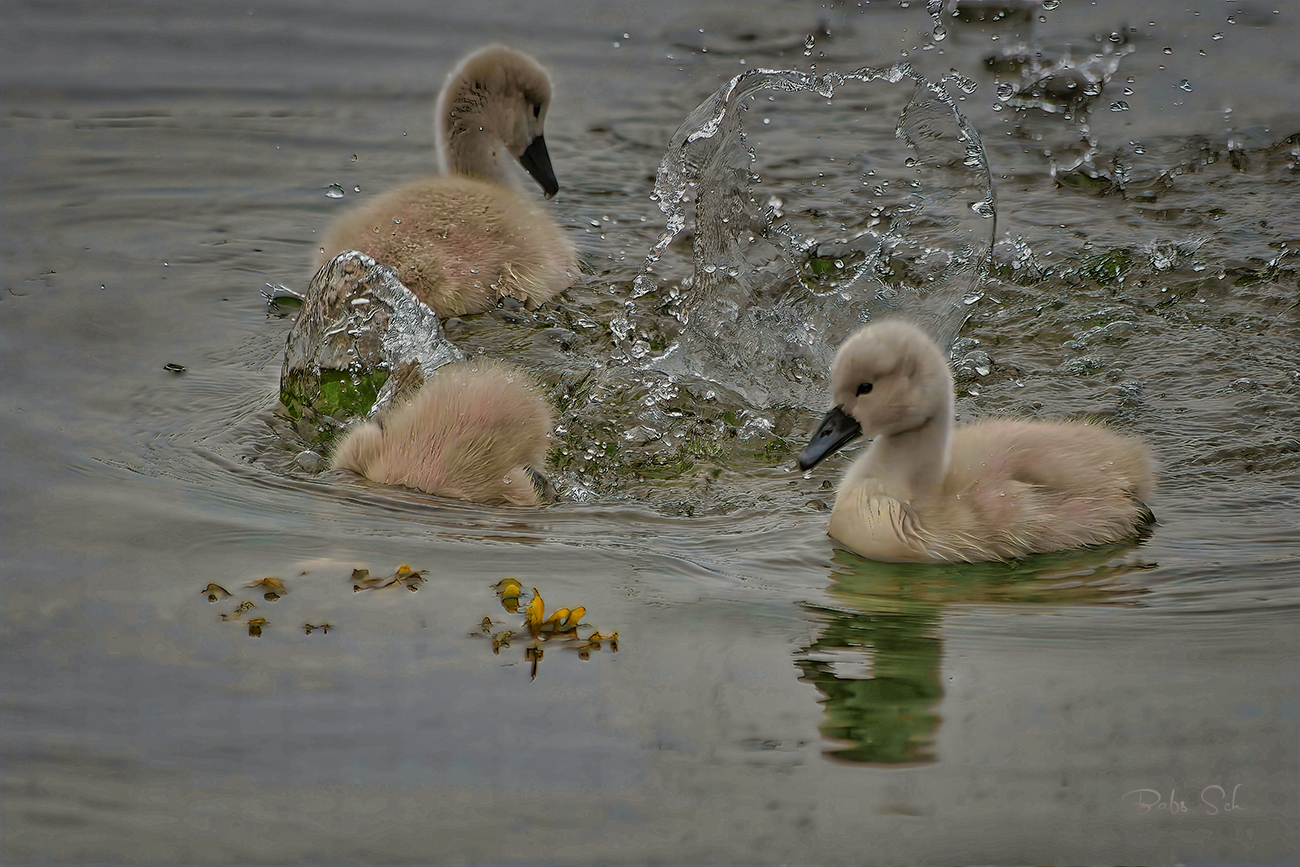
(534, 611)
(215, 592)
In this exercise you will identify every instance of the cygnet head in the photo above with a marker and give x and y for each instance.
(888, 378)
(493, 104)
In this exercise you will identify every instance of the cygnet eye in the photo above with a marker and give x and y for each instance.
(537, 109)
(864, 388)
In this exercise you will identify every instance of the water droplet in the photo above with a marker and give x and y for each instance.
(1168, 50)
(333, 191)
(967, 85)
(397, 221)
(354, 158)
(1216, 37)
(1121, 105)
(1185, 84)
(357, 188)
(1232, 20)
(808, 45)
(909, 162)
(1049, 5)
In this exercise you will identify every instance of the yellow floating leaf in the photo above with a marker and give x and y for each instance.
(533, 613)
(553, 623)
(574, 616)
(274, 584)
(255, 627)
(500, 640)
(508, 590)
(215, 592)
(508, 587)
(486, 625)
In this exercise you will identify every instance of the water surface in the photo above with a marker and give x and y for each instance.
(772, 699)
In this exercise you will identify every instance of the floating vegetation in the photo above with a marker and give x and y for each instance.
(561, 625)
(215, 592)
(274, 588)
(243, 608)
(405, 576)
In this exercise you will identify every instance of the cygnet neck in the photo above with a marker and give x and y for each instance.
(913, 463)
(476, 153)
(470, 140)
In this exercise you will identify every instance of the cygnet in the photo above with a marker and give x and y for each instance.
(992, 490)
(474, 431)
(463, 239)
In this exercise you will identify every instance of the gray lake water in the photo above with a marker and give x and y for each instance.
(772, 699)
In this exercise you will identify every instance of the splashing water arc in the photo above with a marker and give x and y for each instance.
(819, 200)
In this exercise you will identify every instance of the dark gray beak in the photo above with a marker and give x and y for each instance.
(537, 161)
(837, 429)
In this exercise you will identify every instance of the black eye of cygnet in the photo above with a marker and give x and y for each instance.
(864, 388)
(537, 109)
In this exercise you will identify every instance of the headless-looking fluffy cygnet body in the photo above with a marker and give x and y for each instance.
(473, 432)
(992, 490)
(463, 239)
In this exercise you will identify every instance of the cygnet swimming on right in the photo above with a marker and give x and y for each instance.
(475, 431)
(993, 490)
(463, 239)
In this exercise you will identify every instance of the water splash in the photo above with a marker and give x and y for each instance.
(810, 216)
(360, 337)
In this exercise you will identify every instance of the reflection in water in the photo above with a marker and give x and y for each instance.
(877, 658)
(879, 675)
